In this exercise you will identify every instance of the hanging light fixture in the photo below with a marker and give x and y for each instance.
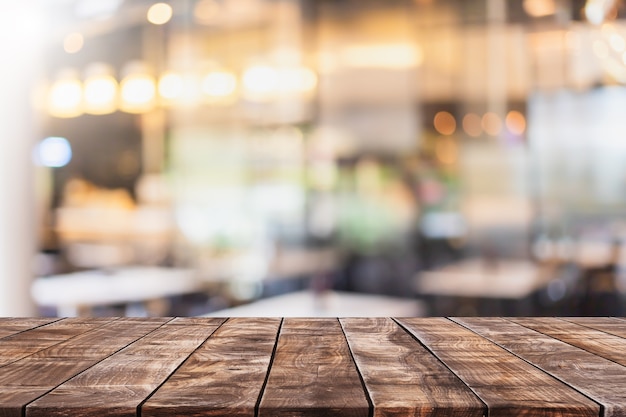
(138, 88)
(100, 89)
(65, 95)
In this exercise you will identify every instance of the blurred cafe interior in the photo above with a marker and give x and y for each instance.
(312, 157)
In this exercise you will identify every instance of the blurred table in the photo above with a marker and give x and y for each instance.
(504, 286)
(326, 304)
(72, 293)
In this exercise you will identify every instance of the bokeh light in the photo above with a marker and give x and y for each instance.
(54, 152)
(206, 11)
(171, 86)
(73, 42)
(138, 89)
(219, 84)
(444, 123)
(260, 82)
(491, 123)
(100, 89)
(617, 42)
(65, 95)
(159, 13)
(472, 125)
(294, 81)
(515, 122)
(539, 8)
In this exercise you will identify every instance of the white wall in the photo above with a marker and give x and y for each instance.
(19, 27)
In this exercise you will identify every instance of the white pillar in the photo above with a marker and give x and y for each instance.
(19, 49)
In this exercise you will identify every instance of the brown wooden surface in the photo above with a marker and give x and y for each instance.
(313, 373)
(592, 340)
(507, 384)
(24, 380)
(401, 376)
(596, 377)
(117, 385)
(157, 367)
(609, 325)
(26, 343)
(224, 376)
(13, 325)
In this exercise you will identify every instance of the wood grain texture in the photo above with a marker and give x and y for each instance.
(313, 373)
(508, 385)
(117, 385)
(595, 341)
(599, 378)
(13, 325)
(224, 376)
(612, 325)
(379, 367)
(27, 379)
(21, 345)
(402, 377)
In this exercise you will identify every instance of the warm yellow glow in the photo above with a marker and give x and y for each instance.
(206, 11)
(617, 42)
(218, 84)
(597, 11)
(183, 88)
(600, 49)
(159, 13)
(515, 122)
(491, 123)
(100, 95)
(100, 89)
(137, 94)
(444, 123)
(472, 124)
(138, 89)
(389, 56)
(539, 8)
(298, 80)
(171, 86)
(65, 96)
(571, 41)
(73, 43)
(260, 82)
(446, 150)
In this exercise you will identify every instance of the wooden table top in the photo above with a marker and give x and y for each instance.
(366, 367)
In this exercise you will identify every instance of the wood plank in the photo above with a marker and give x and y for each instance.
(595, 341)
(508, 385)
(224, 376)
(402, 377)
(21, 345)
(313, 373)
(27, 379)
(13, 325)
(117, 385)
(611, 325)
(599, 378)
